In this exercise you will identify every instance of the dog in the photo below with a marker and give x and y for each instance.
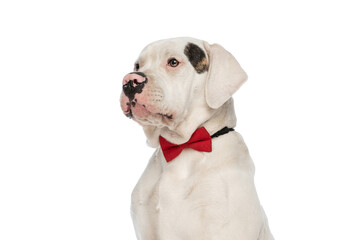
(199, 183)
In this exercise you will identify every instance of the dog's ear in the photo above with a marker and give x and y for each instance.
(225, 75)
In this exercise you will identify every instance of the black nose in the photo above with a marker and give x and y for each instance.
(134, 83)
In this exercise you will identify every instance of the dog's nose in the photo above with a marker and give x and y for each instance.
(134, 83)
(136, 78)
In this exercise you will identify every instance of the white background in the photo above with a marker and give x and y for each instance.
(69, 158)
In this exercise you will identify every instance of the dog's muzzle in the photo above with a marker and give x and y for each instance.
(134, 83)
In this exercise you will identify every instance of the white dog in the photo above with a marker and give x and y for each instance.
(199, 184)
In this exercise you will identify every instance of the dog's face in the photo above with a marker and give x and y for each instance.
(178, 81)
(166, 77)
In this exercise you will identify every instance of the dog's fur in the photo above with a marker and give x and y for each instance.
(198, 195)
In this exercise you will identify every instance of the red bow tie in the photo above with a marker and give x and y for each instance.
(199, 141)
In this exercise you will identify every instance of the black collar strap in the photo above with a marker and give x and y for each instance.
(223, 131)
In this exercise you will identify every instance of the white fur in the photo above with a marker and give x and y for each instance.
(198, 195)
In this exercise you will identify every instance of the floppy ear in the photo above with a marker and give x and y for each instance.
(225, 75)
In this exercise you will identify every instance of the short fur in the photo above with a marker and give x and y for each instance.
(198, 195)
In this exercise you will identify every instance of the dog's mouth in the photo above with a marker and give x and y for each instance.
(128, 113)
(168, 116)
(134, 108)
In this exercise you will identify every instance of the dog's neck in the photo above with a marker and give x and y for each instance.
(223, 117)
(212, 119)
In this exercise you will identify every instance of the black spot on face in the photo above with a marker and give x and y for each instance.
(196, 57)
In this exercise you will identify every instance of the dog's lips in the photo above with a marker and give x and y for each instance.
(135, 109)
(168, 116)
(128, 111)
(138, 110)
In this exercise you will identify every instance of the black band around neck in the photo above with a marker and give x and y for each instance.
(223, 131)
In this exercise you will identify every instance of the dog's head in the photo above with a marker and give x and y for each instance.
(178, 85)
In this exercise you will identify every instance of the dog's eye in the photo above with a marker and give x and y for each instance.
(136, 66)
(173, 62)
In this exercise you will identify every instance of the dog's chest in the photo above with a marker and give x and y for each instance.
(184, 194)
(163, 184)
(166, 195)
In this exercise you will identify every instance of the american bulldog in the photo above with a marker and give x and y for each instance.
(199, 183)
